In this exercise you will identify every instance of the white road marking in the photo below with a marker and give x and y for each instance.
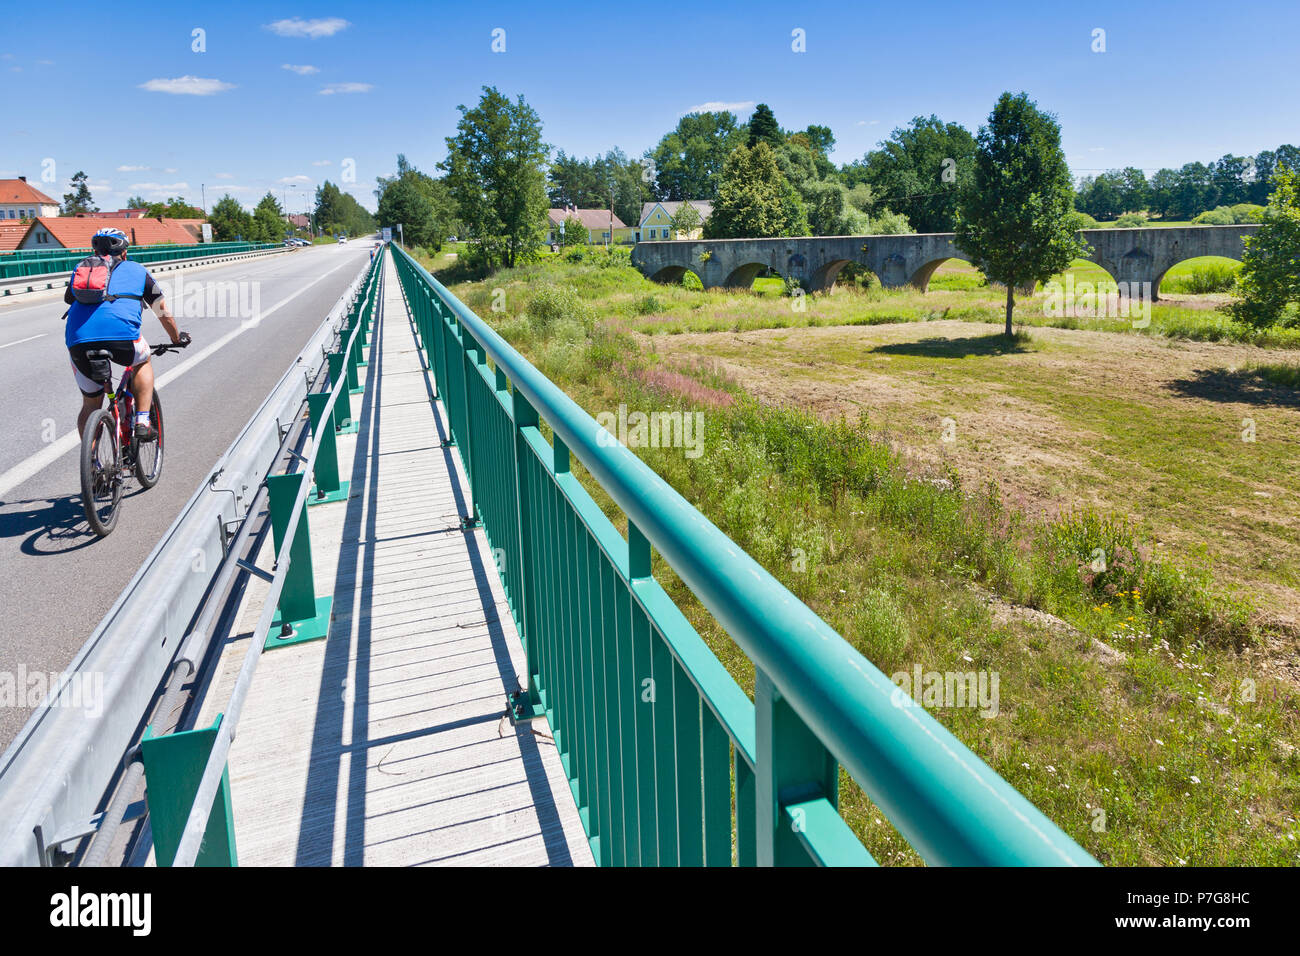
(21, 341)
(51, 453)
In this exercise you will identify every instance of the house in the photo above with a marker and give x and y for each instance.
(21, 200)
(595, 221)
(657, 218)
(299, 221)
(11, 233)
(74, 232)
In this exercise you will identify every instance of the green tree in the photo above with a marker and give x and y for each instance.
(572, 233)
(754, 199)
(1016, 217)
(421, 204)
(921, 170)
(268, 220)
(1270, 271)
(685, 221)
(136, 202)
(763, 128)
(229, 220)
(496, 174)
(688, 161)
(79, 200)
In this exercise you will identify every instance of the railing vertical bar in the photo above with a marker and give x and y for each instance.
(689, 772)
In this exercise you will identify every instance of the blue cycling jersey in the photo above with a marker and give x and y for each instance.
(117, 321)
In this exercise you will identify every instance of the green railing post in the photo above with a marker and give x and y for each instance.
(343, 422)
(302, 615)
(793, 766)
(326, 469)
(173, 766)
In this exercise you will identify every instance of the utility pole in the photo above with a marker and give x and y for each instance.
(204, 193)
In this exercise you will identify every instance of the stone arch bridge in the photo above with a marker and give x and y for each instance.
(1128, 255)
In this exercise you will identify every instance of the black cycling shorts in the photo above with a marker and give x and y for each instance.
(123, 352)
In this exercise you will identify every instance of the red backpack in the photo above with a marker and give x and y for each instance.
(90, 281)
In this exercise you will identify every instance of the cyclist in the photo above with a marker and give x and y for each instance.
(114, 326)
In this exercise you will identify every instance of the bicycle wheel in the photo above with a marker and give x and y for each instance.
(149, 456)
(101, 479)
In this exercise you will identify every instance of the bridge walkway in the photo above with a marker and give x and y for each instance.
(385, 744)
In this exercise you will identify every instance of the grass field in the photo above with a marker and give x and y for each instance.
(937, 492)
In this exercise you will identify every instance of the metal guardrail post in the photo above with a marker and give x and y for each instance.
(326, 470)
(302, 615)
(173, 767)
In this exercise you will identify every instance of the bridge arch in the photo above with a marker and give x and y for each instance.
(920, 277)
(669, 275)
(823, 278)
(743, 275)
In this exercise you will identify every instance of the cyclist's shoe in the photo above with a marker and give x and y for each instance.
(145, 433)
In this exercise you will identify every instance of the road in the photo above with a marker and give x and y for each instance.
(57, 579)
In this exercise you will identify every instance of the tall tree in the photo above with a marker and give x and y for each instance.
(1015, 219)
(268, 220)
(79, 200)
(754, 199)
(496, 173)
(763, 127)
(229, 220)
(921, 170)
(688, 161)
(1270, 269)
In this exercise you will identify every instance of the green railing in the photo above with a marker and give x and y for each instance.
(669, 761)
(63, 260)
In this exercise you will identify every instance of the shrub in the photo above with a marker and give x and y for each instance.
(648, 305)
(551, 303)
(1213, 277)
(1131, 220)
(691, 281)
(1220, 216)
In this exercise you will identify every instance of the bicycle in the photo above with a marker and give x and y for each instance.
(109, 451)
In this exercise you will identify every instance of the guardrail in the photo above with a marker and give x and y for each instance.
(654, 733)
(23, 266)
(14, 255)
(54, 774)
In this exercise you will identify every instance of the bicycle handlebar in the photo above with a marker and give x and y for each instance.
(171, 346)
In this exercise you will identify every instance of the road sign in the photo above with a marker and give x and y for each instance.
(388, 233)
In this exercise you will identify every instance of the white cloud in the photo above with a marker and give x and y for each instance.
(225, 176)
(298, 27)
(131, 169)
(347, 88)
(171, 170)
(188, 85)
(45, 62)
(287, 180)
(322, 162)
(1096, 149)
(170, 188)
(301, 69)
(718, 106)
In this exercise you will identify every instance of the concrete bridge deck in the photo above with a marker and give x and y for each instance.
(1128, 255)
(385, 744)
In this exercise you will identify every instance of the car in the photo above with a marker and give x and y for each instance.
(342, 239)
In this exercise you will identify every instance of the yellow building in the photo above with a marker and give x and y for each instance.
(657, 219)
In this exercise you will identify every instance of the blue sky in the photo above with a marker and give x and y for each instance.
(1177, 81)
